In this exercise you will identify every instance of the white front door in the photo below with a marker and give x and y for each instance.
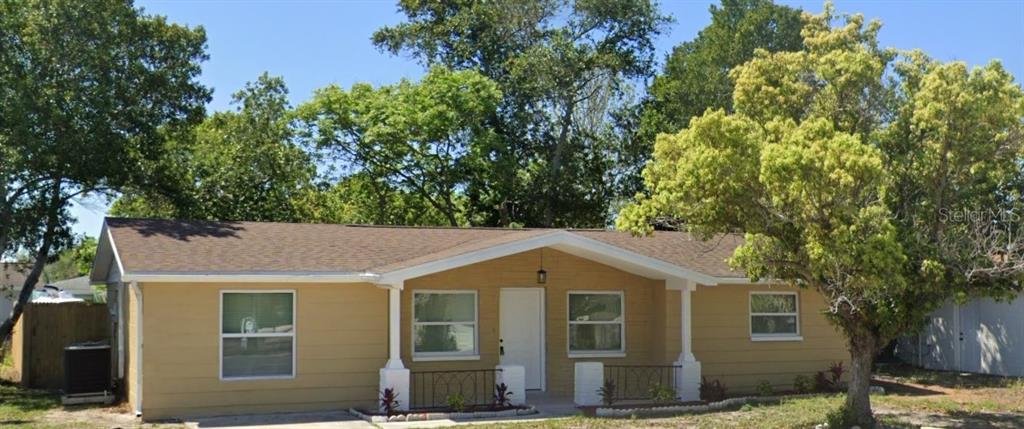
(522, 332)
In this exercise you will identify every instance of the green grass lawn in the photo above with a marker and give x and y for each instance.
(39, 409)
(790, 413)
(914, 398)
(24, 408)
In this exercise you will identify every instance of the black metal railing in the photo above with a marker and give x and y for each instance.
(633, 382)
(433, 389)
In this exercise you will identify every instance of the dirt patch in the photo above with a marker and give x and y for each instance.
(101, 417)
(954, 420)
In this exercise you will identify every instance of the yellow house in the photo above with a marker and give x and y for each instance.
(216, 318)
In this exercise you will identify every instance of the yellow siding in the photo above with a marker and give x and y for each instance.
(341, 336)
(341, 343)
(721, 339)
(565, 272)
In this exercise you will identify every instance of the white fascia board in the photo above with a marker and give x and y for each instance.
(106, 250)
(562, 240)
(746, 281)
(250, 277)
(113, 249)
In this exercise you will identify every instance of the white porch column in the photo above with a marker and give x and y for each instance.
(395, 329)
(688, 376)
(395, 375)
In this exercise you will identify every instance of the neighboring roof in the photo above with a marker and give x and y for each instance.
(12, 274)
(77, 285)
(169, 246)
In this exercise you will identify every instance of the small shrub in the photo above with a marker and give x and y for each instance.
(821, 383)
(764, 388)
(660, 393)
(803, 384)
(389, 401)
(456, 402)
(835, 372)
(607, 393)
(502, 397)
(830, 380)
(840, 418)
(1017, 384)
(711, 391)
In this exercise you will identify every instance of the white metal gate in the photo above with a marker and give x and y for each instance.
(982, 336)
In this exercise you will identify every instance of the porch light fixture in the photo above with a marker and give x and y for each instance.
(542, 276)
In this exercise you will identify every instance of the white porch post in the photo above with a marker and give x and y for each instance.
(688, 377)
(395, 375)
(395, 329)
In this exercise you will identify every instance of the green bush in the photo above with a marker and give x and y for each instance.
(607, 393)
(660, 393)
(840, 418)
(764, 388)
(456, 402)
(711, 390)
(803, 384)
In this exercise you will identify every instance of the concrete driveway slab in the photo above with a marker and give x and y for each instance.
(310, 420)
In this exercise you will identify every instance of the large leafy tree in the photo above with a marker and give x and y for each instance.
(695, 76)
(73, 262)
(84, 89)
(887, 183)
(412, 142)
(237, 165)
(361, 199)
(563, 68)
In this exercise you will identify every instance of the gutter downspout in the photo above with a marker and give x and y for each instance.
(138, 348)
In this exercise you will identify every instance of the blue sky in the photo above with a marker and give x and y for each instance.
(313, 43)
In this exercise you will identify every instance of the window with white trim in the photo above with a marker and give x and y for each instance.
(257, 334)
(596, 323)
(774, 314)
(444, 323)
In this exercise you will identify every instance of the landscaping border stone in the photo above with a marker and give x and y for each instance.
(424, 416)
(703, 408)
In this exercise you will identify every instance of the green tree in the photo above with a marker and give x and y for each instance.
(236, 165)
(563, 68)
(72, 262)
(405, 140)
(855, 182)
(695, 77)
(360, 199)
(84, 89)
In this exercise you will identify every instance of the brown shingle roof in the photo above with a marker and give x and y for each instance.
(170, 246)
(677, 248)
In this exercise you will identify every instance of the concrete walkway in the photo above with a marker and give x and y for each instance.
(311, 420)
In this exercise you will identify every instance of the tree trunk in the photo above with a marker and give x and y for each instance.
(863, 348)
(555, 168)
(42, 254)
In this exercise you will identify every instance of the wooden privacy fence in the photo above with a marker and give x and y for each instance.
(37, 346)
